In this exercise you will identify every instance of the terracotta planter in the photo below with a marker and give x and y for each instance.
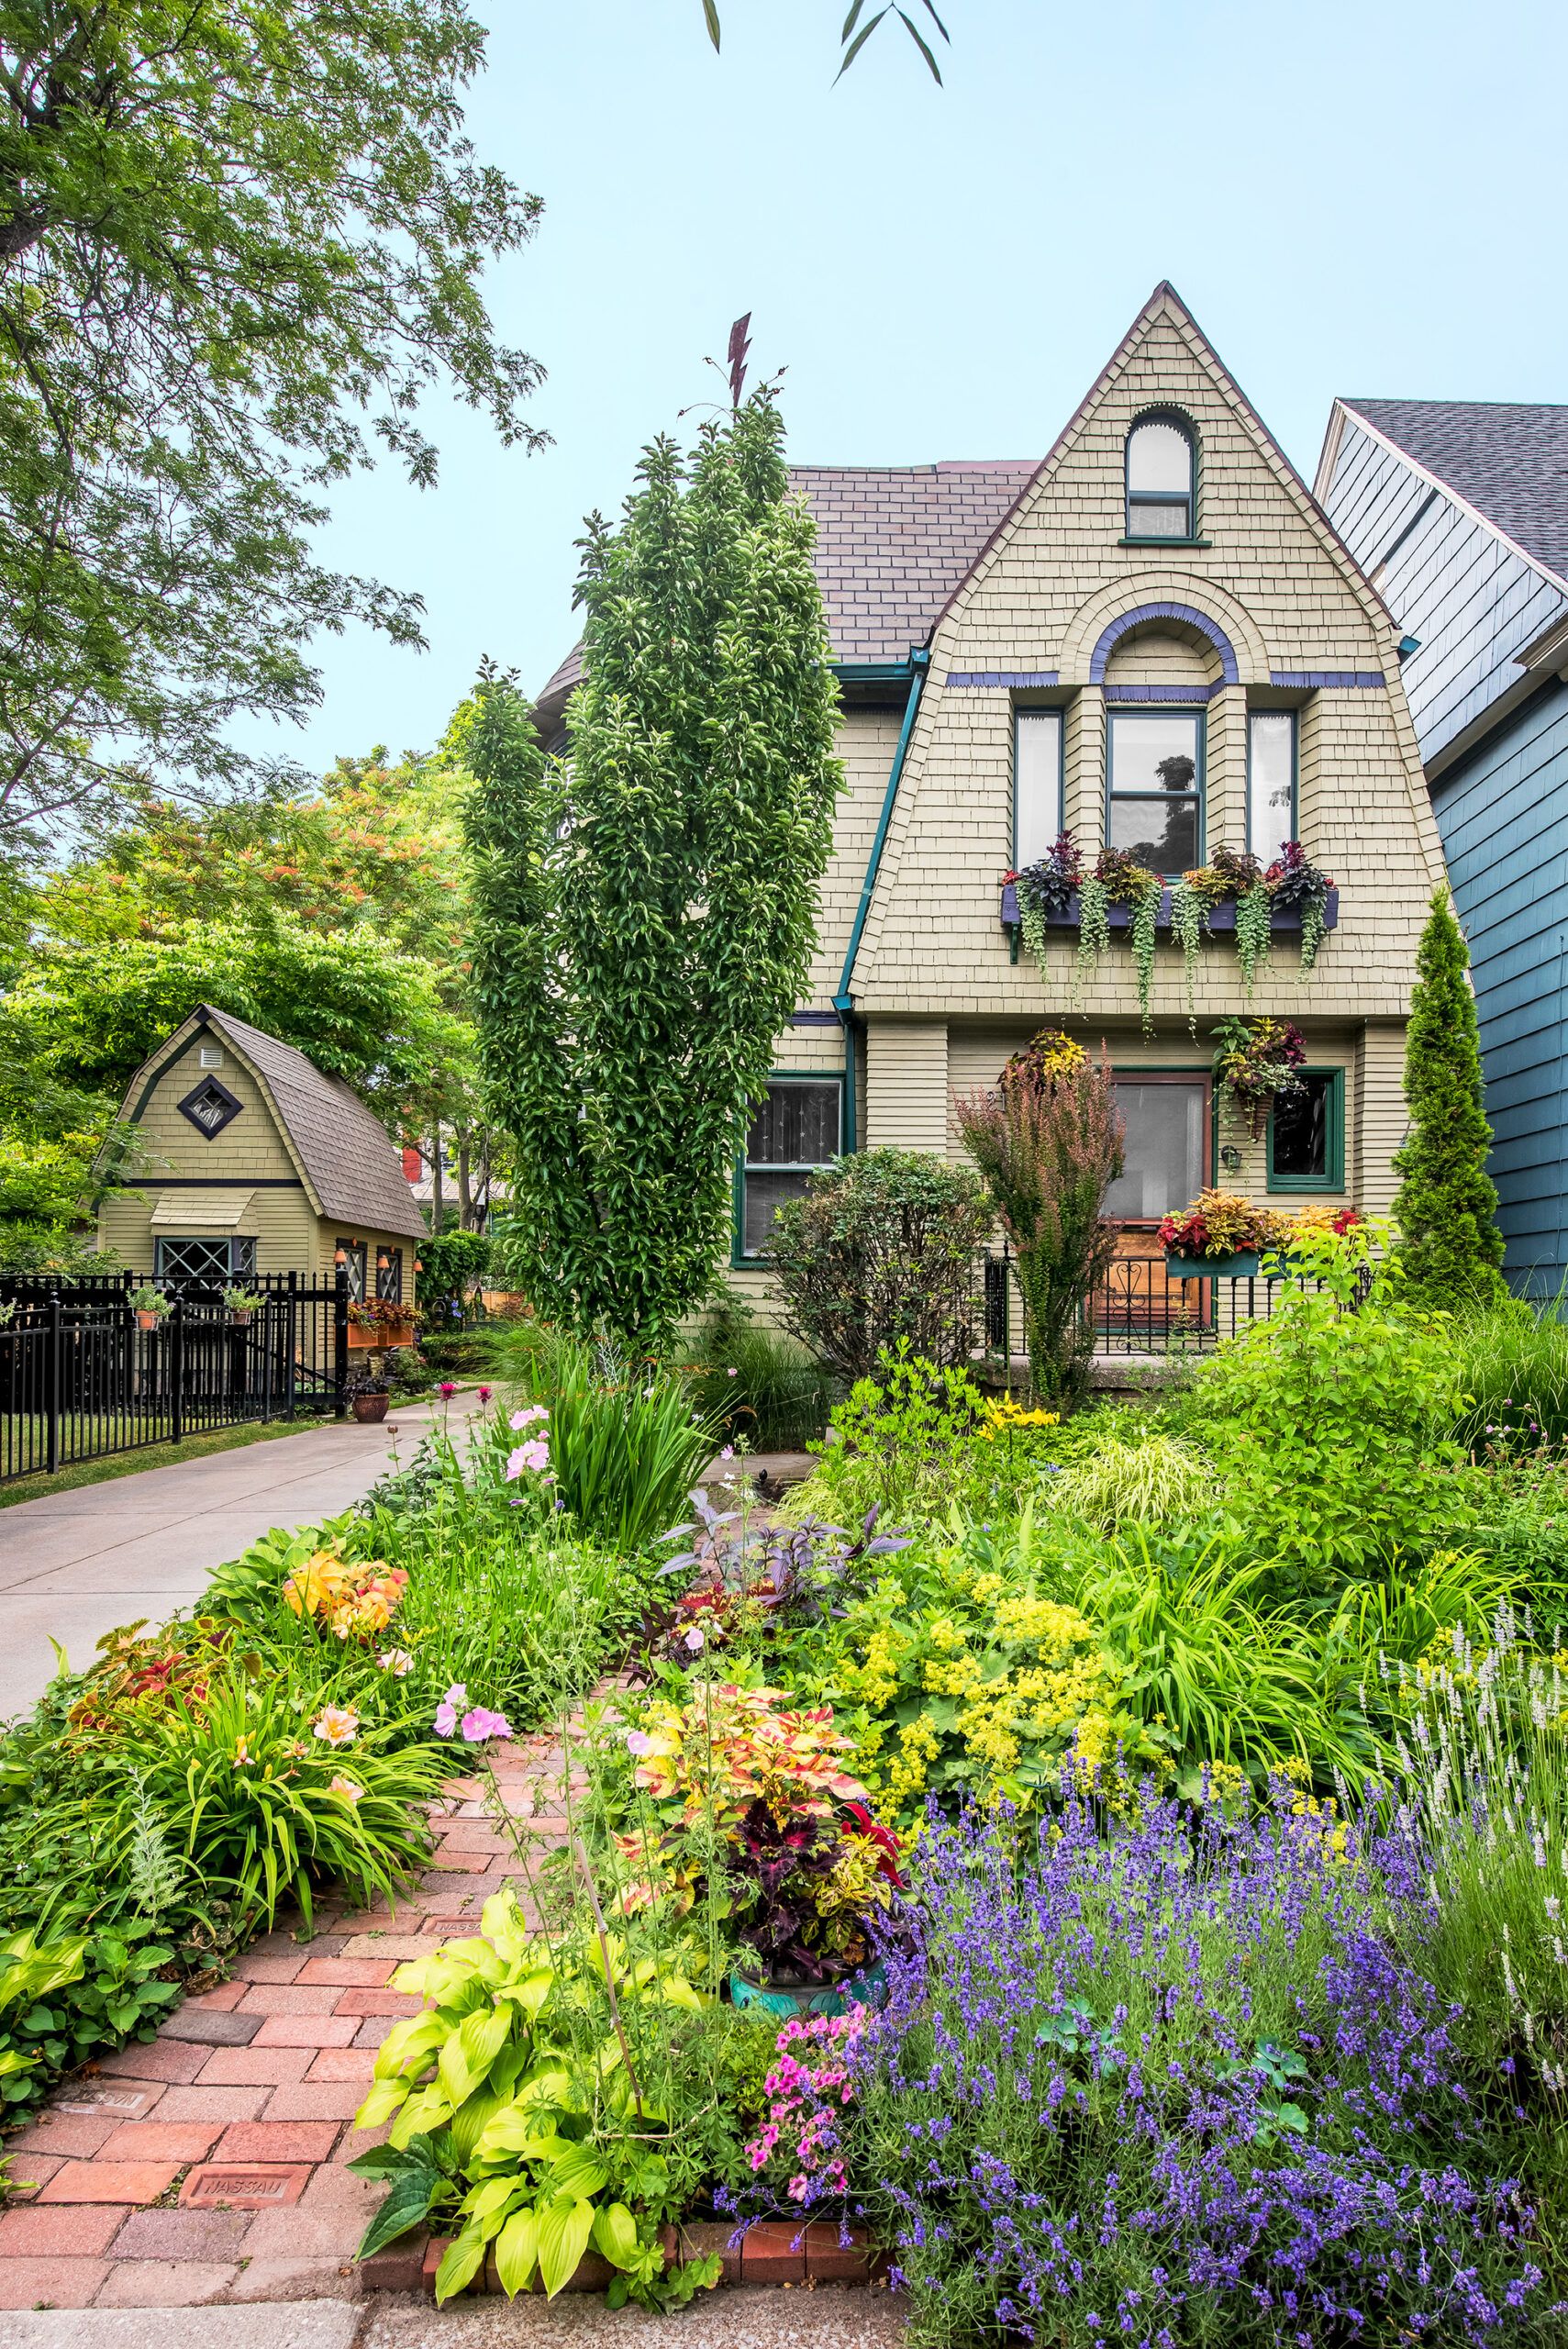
(383, 1338)
(371, 1409)
(147, 1320)
(241, 1315)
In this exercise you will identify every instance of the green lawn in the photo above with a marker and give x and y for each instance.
(152, 1456)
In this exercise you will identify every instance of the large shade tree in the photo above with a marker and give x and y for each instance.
(644, 909)
(239, 240)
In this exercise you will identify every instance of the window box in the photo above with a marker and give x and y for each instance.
(1237, 1267)
(1284, 919)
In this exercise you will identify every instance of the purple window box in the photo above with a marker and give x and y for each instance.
(1221, 917)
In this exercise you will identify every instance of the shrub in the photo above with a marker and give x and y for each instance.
(451, 1266)
(1048, 1143)
(756, 1386)
(1446, 1208)
(900, 1443)
(1169, 2086)
(1328, 1423)
(880, 1252)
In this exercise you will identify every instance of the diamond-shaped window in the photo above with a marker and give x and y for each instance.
(210, 1106)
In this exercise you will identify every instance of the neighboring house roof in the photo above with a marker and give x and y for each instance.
(1506, 459)
(351, 1166)
(894, 542)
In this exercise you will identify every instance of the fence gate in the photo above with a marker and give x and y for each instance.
(81, 1380)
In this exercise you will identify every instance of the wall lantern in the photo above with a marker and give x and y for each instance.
(340, 1256)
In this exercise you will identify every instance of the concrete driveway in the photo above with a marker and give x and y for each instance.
(79, 1564)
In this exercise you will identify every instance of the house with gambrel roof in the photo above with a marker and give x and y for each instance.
(1154, 637)
(1457, 510)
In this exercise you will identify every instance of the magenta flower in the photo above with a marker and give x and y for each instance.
(481, 1724)
(446, 1391)
(485, 1393)
(446, 1711)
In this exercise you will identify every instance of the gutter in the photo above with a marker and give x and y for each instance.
(914, 670)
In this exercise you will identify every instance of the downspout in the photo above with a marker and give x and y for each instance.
(844, 1001)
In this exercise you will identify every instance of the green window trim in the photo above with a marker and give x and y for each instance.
(1295, 831)
(1117, 717)
(1333, 1178)
(1045, 710)
(739, 1262)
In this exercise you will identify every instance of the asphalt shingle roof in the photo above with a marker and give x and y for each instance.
(354, 1165)
(893, 543)
(1509, 460)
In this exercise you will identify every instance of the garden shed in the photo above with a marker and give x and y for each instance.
(259, 1163)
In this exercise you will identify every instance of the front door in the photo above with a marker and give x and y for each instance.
(1167, 1120)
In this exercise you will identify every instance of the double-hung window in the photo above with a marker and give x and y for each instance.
(1154, 787)
(1161, 487)
(796, 1129)
(1306, 1134)
(1271, 781)
(1037, 783)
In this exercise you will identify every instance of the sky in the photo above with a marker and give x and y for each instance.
(1352, 198)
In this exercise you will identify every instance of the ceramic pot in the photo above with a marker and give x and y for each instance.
(371, 1409)
(866, 1989)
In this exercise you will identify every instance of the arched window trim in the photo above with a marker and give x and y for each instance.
(1132, 499)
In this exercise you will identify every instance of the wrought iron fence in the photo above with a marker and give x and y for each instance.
(1140, 1309)
(81, 1380)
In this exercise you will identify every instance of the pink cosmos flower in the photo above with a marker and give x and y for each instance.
(481, 1724)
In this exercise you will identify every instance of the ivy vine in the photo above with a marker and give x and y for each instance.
(1254, 933)
(1145, 910)
(1093, 930)
(1188, 923)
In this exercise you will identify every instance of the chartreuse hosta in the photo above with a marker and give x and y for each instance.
(524, 2109)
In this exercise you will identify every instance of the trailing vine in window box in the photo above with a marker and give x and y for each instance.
(1293, 880)
(1046, 888)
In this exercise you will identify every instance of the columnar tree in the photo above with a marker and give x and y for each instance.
(1447, 1204)
(644, 908)
(1048, 1141)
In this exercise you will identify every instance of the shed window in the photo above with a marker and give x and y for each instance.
(797, 1129)
(1306, 1134)
(389, 1275)
(1161, 488)
(205, 1262)
(354, 1266)
(1271, 781)
(1154, 787)
(1037, 783)
(1166, 1147)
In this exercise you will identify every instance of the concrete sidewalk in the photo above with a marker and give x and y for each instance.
(78, 1564)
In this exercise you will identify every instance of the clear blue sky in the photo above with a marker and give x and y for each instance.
(1352, 197)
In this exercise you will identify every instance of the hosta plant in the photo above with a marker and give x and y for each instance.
(528, 2109)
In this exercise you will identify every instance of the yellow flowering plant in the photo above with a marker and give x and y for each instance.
(955, 1680)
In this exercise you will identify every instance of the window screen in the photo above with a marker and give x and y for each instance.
(1167, 1150)
(795, 1132)
(1037, 783)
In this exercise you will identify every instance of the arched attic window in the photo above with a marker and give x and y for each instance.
(1161, 478)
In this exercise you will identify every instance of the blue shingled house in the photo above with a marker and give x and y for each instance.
(1458, 511)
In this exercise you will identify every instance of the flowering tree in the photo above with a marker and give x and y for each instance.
(1048, 1141)
(644, 910)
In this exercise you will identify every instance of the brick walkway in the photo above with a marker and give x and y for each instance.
(207, 2165)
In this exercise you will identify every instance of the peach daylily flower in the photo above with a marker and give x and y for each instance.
(346, 1788)
(336, 1725)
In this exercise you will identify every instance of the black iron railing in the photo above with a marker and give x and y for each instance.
(81, 1379)
(1138, 1309)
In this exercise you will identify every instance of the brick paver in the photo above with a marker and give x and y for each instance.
(207, 2165)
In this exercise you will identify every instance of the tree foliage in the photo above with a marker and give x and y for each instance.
(644, 910)
(1048, 1141)
(358, 1009)
(882, 1248)
(1447, 1203)
(239, 240)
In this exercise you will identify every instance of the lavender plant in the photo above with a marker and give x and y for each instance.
(1171, 2086)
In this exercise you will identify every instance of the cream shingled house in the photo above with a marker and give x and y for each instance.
(1019, 647)
(257, 1163)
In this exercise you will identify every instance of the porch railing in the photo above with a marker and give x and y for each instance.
(1138, 1311)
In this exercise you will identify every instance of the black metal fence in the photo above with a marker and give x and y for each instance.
(82, 1379)
(1140, 1309)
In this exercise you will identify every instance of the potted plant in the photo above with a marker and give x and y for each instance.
(807, 1872)
(1220, 1235)
(150, 1306)
(379, 1322)
(368, 1397)
(243, 1303)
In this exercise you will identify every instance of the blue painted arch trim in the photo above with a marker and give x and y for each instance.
(1139, 617)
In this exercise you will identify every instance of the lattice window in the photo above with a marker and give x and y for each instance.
(210, 1106)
